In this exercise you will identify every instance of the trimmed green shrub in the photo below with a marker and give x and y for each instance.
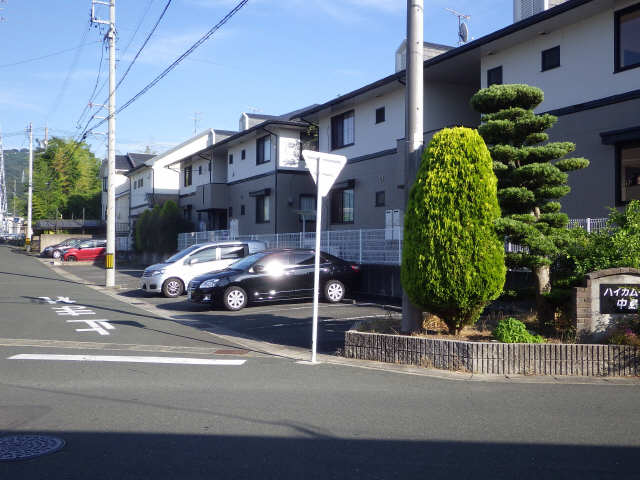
(452, 258)
(510, 330)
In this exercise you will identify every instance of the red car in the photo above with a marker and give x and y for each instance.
(87, 250)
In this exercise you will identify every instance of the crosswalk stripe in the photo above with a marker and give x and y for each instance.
(128, 359)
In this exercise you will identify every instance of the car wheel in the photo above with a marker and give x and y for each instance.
(72, 258)
(234, 298)
(56, 254)
(334, 291)
(172, 287)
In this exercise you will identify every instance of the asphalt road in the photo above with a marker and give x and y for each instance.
(281, 323)
(269, 416)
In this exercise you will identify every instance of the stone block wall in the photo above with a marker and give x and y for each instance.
(495, 358)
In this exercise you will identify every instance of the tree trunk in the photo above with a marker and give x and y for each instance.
(543, 286)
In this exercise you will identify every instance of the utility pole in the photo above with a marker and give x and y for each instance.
(110, 260)
(29, 232)
(411, 315)
(196, 120)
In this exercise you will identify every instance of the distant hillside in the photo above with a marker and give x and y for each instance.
(15, 161)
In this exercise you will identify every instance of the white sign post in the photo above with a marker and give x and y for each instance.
(324, 168)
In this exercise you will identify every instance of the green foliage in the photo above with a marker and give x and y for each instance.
(616, 246)
(157, 229)
(452, 259)
(532, 175)
(510, 330)
(500, 97)
(66, 181)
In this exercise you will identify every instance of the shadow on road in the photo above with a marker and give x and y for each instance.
(316, 455)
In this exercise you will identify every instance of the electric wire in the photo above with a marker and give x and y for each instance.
(53, 54)
(72, 68)
(95, 87)
(174, 64)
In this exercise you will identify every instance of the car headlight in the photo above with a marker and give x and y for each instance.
(209, 283)
(157, 272)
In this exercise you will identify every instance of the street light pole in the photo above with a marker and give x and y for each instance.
(411, 315)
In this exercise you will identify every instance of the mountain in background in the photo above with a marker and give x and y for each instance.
(15, 161)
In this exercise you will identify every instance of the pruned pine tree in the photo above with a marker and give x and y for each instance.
(532, 176)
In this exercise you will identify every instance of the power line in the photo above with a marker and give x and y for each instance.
(175, 63)
(53, 54)
(135, 32)
(144, 44)
(95, 87)
(72, 69)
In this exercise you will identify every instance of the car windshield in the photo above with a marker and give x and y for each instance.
(182, 254)
(246, 262)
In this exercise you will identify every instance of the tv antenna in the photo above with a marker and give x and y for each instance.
(463, 29)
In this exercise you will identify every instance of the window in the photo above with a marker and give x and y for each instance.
(263, 150)
(188, 176)
(105, 184)
(243, 154)
(380, 115)
(380, 200)
(304, 258)
(342, 206)
(627, 38)
(204, 255)
(550, 58)
(141, 183)
(308, 202)
(262, 209)
(199, 169)
(230, 212)
(231, 252)
(231, 159)
(342, 130)
(630, 172)
(494, 76)
(187, 212)
(241, 209)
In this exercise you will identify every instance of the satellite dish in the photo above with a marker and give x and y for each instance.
(463, 33)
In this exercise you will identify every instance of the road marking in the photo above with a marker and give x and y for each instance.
(100, 326)
(108, 358)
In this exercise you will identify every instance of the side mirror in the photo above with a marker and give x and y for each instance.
(258, 268)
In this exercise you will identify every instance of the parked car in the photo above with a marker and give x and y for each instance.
(86, 250)
(173, 275)
(57, 250)
(280, 274)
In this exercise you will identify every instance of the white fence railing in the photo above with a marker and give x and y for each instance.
(381, 247)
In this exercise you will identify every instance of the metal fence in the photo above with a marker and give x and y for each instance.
(383, 246)
(378, 247)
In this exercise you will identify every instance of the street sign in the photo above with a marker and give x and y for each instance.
(330, 167)
(324, 168)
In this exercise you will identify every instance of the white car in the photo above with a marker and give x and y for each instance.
(171, 277)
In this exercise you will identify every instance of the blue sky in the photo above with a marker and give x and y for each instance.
(274, 56)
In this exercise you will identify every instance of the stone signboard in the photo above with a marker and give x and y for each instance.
(607, 298)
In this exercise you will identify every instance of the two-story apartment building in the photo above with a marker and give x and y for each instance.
(584, 54)
(124, 164)
(255, 176)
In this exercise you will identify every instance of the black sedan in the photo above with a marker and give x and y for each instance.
(57, 251)
(282, 274)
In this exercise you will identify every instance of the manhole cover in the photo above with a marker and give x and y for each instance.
(22, 447)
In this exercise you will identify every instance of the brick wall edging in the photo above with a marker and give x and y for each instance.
(495, 358)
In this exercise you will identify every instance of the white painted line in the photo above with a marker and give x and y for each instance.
(110, 358)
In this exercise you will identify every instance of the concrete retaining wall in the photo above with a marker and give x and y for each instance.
(495, 358)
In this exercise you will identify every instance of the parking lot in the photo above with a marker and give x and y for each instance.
(282, 323)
